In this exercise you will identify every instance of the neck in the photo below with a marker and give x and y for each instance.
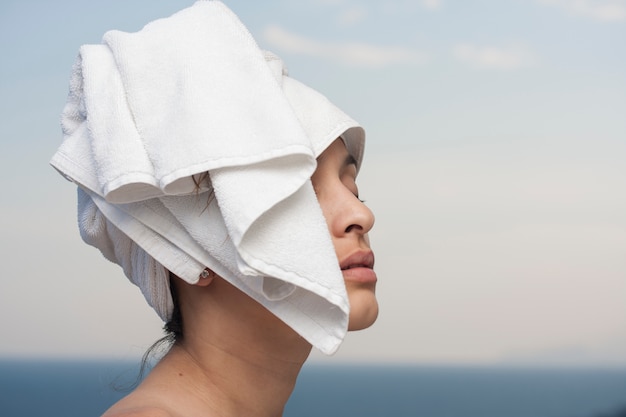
(233, 384)
(238, 361)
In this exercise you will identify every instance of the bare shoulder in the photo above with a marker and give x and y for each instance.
(137, 412)
(137, 405)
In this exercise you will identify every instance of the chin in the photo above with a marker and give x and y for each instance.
(363, 308)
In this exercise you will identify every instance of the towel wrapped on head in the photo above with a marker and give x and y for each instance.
(150, 113)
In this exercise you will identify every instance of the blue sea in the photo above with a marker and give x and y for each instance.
(82, 389)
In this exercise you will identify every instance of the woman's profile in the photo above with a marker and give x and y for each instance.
(226, 190)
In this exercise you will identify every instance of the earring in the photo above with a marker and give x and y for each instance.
(206, 273)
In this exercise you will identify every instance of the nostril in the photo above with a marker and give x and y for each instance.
(353, 227)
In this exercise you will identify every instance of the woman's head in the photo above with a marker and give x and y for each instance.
(134, 153)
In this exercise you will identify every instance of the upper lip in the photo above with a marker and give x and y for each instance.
(360, 259)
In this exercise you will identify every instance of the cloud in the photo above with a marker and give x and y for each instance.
(350, 12)
(402, 7)
(354, 54)
(352, 16)
(492, 57)
(432, 4)
(601, 10)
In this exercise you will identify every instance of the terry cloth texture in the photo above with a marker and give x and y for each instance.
(149, 112)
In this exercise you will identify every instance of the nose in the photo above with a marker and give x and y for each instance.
(354, 217)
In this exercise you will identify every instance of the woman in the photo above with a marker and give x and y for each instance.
(227, 193)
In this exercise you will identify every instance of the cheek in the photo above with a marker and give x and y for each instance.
(329, 210)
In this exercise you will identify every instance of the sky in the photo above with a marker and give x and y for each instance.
(495, 167)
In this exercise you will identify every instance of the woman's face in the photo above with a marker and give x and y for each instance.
(349, 221)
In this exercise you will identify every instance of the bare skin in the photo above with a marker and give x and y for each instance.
(238, 359)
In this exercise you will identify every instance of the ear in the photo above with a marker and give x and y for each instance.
(206, 277)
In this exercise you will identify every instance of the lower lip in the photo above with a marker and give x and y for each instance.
(364, 275)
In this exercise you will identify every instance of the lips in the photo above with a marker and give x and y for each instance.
(364, 259)
(359, 267)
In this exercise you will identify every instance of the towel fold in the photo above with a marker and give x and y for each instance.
(149, 112)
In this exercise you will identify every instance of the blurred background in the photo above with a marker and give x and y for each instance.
(495, 167)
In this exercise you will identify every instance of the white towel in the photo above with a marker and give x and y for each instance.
(189, 94)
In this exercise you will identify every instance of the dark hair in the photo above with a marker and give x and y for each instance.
(173, 334)
(174, 327)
